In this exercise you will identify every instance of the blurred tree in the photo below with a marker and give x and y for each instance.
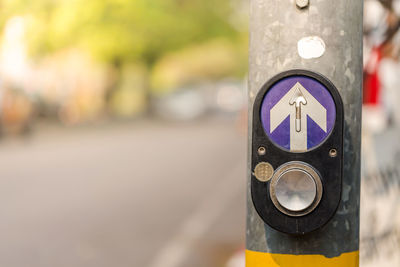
(200, 38)
(121, 31)
(208, 61)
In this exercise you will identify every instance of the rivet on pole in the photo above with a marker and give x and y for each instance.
(302, 3)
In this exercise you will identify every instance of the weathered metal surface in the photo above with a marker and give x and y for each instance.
(276, 28)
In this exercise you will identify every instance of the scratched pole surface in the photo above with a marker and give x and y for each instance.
(276, 26)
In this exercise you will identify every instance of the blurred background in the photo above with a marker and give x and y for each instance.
(122, 122)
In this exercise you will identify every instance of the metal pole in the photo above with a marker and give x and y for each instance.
(334, 27)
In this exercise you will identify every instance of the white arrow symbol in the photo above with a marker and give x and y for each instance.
(298, 99)
(305, 104)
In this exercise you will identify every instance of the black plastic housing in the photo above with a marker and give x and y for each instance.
(329, 168)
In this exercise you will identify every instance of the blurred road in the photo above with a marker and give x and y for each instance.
(134, 194)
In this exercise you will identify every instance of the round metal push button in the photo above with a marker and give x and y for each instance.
(296, 189)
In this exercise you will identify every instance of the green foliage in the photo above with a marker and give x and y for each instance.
(120, 31)
(207, 61)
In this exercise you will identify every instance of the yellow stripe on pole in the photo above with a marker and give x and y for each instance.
(261, 259)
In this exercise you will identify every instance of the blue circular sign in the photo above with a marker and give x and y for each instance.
(298, 113)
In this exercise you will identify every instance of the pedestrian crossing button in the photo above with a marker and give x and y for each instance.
(296, 189)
